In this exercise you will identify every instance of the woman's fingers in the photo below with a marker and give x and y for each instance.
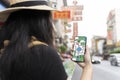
(87, 59)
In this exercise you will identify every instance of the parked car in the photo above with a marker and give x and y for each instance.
(115, 59)
(96, 60)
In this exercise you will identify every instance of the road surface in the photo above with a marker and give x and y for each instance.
(103, 71)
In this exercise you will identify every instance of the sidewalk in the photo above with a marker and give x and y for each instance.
(72, 69)
(69, 68)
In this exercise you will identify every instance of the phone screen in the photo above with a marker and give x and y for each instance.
(79, 48)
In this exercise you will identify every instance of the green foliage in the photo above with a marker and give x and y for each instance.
(115, 50)
(62, 49)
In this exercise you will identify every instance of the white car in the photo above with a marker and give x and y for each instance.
(115, 59)
(96, 60)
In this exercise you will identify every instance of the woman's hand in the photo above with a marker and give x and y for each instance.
(87, 62)
(87, 71)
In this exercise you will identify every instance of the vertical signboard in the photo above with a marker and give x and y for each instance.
(109, 37)
(75, 29)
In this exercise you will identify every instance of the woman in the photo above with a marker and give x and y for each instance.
(28, 53)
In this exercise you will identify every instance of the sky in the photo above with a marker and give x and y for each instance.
(1, 7)
(95, 15)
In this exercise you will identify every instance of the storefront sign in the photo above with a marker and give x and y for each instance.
(61, 15)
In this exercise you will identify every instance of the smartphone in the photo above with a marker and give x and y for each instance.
(79, 48)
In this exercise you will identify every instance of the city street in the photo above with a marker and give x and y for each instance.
(103, 71)
(34, 27)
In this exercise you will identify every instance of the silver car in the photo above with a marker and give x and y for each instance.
(115, 59)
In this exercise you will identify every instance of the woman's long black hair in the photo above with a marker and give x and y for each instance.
(18, 29)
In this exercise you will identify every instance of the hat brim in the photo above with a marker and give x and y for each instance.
(5, 13)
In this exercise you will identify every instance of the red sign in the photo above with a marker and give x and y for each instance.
(78, 18)
(78, 12)
(109, 35)
(61, 15)
(75, 29)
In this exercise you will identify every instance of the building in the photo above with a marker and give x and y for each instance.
(98, 45)
(113, 28)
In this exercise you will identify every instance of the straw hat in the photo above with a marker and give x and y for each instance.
(24, 4)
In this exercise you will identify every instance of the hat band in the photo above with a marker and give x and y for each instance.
(29, 3)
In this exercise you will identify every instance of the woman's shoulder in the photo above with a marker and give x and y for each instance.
(42, 47)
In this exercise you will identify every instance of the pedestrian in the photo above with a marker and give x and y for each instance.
(27, 44)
